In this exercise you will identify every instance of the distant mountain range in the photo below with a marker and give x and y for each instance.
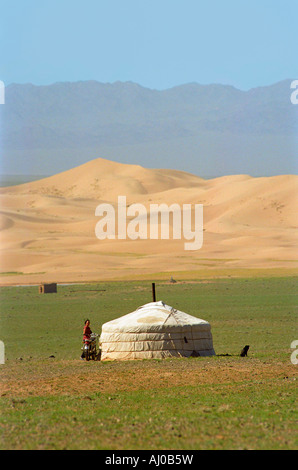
(208, 130)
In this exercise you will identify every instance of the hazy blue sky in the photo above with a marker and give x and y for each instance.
(156, 43)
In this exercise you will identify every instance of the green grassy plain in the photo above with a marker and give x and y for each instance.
(221, 402)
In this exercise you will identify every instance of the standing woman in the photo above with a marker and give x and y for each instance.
(86, 334)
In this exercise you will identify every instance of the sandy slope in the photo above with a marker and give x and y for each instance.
(48, 226)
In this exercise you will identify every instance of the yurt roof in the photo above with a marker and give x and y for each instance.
(155, 316)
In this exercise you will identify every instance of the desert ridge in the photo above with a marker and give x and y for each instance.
(104, 180)
(48, 226)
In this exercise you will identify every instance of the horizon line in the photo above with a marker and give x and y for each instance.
(125, 82)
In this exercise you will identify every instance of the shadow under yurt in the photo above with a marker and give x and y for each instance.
(155, 330)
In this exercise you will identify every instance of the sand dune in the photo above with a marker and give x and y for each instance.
(104, 180)
(47, 227)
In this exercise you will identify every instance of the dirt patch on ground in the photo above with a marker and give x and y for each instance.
(78, 378)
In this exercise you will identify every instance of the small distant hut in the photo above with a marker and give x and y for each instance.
(48, 288)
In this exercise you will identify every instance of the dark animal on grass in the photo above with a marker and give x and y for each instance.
(244, 351)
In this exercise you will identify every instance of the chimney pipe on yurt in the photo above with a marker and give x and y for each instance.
(153, 292)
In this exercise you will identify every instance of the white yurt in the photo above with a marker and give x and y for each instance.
(155, 330)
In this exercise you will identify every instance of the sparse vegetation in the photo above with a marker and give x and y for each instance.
(222, 402)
